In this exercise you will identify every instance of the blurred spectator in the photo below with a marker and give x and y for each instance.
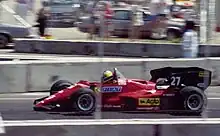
(102, 22)
(157, 7)
(22, 8)
(108, 14)
(90, 8)
(190, 41)
(159, 11)
(98, 12)
(92, 25)
(31, 5)
(42, 17)
(137, 22)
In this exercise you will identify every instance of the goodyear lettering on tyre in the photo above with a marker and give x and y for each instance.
(149, 101)
(111, 89)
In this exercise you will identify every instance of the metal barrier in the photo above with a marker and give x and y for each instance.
(38, 75)
(91, 48)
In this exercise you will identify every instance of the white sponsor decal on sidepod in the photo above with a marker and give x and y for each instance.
(109, 89)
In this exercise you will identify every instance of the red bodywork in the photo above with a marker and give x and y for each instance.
(164, 95)
(122, 94)
(135, 89)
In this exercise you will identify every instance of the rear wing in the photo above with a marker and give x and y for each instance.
(183, 76)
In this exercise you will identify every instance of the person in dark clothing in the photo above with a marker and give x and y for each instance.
(42, 19)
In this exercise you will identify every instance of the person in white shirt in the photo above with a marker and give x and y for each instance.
(190, 41)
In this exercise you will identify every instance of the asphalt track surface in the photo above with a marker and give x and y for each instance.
(19, 107)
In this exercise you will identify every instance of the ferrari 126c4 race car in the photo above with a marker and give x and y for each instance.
(176, 90)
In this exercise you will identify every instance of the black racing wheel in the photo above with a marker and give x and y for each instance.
(59, 85)
(194, 100)
(84, 101)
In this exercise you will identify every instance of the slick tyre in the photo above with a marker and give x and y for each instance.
(59, 85)
(194, 100)
(84, 101)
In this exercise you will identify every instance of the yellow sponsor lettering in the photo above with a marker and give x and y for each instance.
(203, 74)
(96, 89)
(149, 101)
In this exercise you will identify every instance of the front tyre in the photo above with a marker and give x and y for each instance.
(84, 101)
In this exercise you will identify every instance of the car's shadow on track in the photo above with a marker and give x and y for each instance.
(69, 114)
(112, 113)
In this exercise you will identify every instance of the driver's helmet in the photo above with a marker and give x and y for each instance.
(107, 76)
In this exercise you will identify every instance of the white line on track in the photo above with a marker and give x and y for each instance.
(68, 122)
(214, 98)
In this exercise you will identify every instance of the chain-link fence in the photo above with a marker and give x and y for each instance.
(79, 28)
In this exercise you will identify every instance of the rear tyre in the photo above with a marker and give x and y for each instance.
(84, 101)
(194, 100)
(59, 85)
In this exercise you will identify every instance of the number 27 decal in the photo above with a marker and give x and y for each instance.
(175, 81)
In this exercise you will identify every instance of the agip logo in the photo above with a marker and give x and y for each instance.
(149, 101)
(111, 89)
(203, 74)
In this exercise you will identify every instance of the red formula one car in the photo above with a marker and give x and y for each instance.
(173, 90)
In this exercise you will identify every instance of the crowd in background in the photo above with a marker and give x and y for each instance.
(103, 14)
(160, 12)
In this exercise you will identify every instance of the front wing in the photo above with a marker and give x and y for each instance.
(39, 107)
